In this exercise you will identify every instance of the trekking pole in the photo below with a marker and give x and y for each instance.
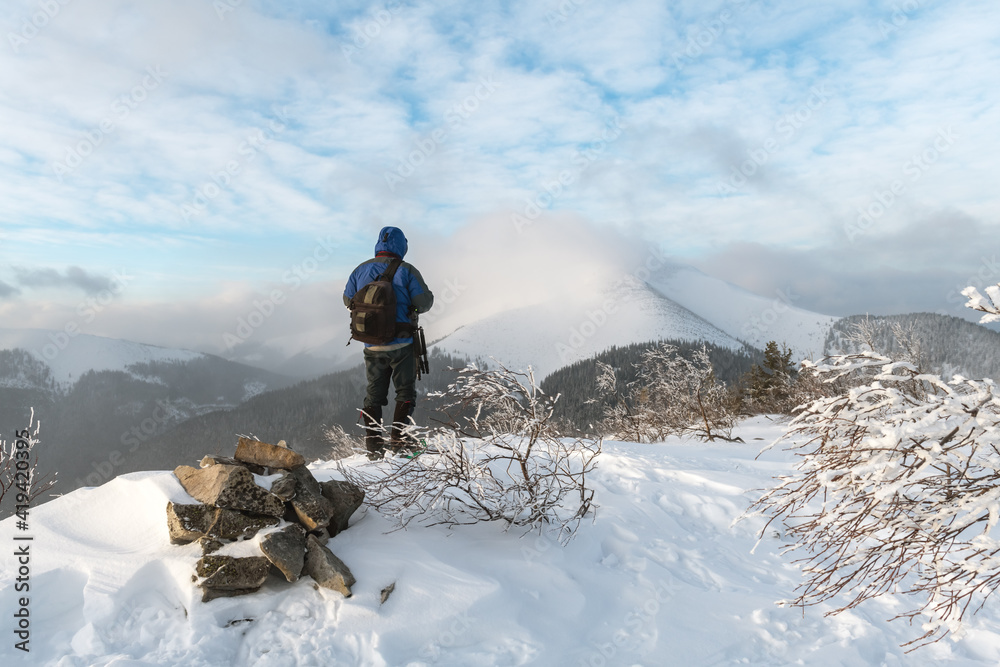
(419, 347)
(423, 364)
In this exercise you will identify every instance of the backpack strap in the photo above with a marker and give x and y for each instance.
(390, 271)
(402, 328)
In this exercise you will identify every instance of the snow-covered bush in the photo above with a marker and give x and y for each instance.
(898, 491)
(498, 457)
(673, 395)
(19, 483)
(978, 302)
(342, 444)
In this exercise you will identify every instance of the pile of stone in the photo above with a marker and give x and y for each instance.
(233, 508)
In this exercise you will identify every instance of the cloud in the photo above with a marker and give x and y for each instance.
(919, 267)
(710, 95)
(7, 291)
(490, 265)
(74, 277)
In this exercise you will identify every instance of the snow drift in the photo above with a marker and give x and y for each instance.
(661, 577)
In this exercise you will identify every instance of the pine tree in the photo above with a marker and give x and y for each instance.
(768, 385)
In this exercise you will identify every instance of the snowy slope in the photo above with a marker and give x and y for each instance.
(551, 335)
(660, 578)
(745, 315)
(69, 358)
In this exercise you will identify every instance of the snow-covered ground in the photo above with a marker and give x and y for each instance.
(662, 577)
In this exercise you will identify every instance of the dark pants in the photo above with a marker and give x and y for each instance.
(400, 366)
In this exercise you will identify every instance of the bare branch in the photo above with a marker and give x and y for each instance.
(496, 457)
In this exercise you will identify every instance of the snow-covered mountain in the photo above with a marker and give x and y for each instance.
(673, 302)
(70, 357)
(661, 577)
(550, 335)
(750, 317)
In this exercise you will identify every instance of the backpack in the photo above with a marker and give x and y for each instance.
(373, 309)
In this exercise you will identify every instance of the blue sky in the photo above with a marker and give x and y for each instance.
(845, 151)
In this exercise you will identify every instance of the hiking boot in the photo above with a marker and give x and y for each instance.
(374, 442)
(398, 440)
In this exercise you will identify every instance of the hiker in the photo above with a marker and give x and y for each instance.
(393, 355)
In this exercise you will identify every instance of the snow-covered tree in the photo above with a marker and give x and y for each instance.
(499, 457)
(897, 490)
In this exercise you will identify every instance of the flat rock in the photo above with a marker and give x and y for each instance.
(209, 545)
(209, 594)
(264, 454)
(227, 576)
(386, 592)
(188, 523)
(312, 509)
(285, 487)
(231, 487)
(212, 460)
(286, 549)
(326, 569)
(345, 498)
(233, 525)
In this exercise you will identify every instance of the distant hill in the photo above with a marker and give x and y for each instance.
(69, 358)
(93, 418)
(299, 414)
(577, 383)
(950, 344)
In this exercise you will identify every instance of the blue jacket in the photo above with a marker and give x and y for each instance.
(411, 290)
